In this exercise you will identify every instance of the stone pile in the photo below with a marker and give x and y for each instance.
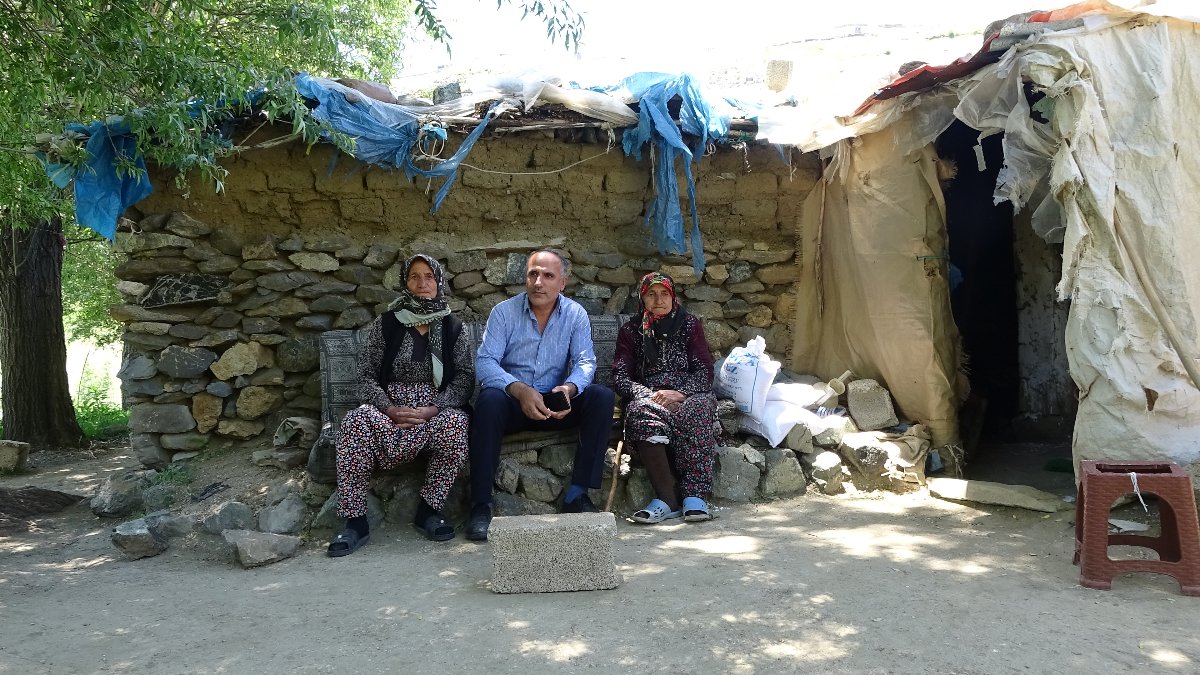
(849, 448)
(532, 482)
(254, 539)
(221, 334)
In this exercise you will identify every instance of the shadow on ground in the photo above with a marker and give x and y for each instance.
(877, 583)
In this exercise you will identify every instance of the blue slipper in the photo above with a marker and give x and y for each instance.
(655, 512)
(695, 510)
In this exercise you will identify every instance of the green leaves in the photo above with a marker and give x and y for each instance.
(562, 21)
(171, 70)
(179, 71)
(85, 302)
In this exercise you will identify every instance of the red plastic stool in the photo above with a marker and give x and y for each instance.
(1178, 545)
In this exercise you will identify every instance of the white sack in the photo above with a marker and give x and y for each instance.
(776, 419)
(746, 376)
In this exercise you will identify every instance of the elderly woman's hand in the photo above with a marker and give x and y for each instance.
(668, 398)
(407, 418)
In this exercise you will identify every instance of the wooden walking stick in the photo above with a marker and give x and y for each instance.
(616, 476)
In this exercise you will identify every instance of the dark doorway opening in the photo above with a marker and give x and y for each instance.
(1018, 419)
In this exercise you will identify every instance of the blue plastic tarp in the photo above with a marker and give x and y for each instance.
(383, 133)
(698, 118)
(102, 193)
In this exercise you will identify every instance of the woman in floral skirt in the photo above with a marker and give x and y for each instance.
(416, 376)
(663, 369)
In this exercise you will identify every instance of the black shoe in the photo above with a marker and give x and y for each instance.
(581, 504)
(477, 526)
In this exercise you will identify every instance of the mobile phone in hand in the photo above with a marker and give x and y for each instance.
(556, 401)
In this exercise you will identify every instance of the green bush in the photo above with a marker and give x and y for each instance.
(174, 474)
(97, 416)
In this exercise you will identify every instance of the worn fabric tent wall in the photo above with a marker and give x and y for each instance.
(1113, 174)
(1120, 155)
(874, 294)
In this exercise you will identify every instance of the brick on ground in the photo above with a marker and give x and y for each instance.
(553, 552)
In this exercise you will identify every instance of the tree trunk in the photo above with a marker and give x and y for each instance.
(36, 405)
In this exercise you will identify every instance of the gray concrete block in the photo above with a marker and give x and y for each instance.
(870, 405)
(13, 456)
(549, 553)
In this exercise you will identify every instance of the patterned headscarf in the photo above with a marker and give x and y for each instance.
(413, 311)
(656, 329)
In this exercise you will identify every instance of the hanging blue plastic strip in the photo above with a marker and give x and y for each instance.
(696, 117)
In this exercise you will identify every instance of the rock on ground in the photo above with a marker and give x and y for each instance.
(281, 458)
(158, 497)
(231, 515)
(169, 525)
(539, 484)
(504, 504)
(286, 517)
(783, 477)
(829, 474)
(252, 549)
(638, 490)
(870, 405)
(328, 519)
(121, 494)
(136, 539)
(735, 479)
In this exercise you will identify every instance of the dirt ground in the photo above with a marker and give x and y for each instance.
(876, 583)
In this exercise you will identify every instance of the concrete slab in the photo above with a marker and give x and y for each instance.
(983, 492)
(13, 456)
(553, 552)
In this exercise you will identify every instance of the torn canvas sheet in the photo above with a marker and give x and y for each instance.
(1121, 156)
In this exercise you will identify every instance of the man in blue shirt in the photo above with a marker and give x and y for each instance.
(535, 346)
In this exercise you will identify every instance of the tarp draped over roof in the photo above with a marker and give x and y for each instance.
(384, 135)
(102, 192)
(1123, 179)
(872, 295)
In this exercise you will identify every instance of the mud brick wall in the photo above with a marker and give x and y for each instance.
(225, 293)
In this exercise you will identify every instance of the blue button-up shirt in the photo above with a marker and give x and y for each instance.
(514, 351)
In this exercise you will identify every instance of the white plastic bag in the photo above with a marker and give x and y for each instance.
(746, 375)
(777, 419)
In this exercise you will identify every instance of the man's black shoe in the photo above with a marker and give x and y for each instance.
(477, 526)
(581, 504)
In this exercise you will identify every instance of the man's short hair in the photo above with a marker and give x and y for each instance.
(564, 262)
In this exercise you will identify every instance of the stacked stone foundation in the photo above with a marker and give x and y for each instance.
(226, 293)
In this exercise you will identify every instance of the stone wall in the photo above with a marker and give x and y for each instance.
(226, 293)
(1047, 400)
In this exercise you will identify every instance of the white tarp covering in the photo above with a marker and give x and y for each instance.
(1113, 174)
(873, 297)
(1120, 157)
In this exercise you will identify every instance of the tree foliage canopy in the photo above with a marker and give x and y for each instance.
(172, 68)
(66, 61)
(177, 71)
